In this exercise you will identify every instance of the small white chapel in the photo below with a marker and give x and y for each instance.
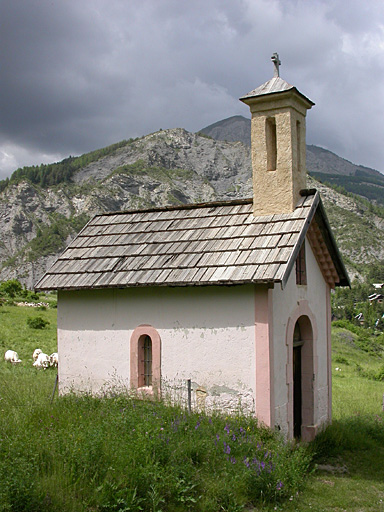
(233, 296)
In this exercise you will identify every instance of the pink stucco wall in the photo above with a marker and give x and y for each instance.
(207, 335)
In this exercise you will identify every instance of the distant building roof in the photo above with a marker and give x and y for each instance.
(376, 296)
(203, 244)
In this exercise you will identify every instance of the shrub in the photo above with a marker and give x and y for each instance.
(11, 288)
(37, 322)
(341, 360)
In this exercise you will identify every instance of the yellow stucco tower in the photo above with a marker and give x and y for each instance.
(278, 144)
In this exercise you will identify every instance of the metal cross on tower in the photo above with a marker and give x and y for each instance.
(276, 63)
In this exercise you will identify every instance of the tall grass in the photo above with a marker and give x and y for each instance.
(117, 453)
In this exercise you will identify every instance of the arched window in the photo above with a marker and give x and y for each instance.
(145, 359)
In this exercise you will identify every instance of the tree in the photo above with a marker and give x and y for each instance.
(375, 272)
(11, 288)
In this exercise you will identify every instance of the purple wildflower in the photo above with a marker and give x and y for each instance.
(227, 428)
(233, 460)
(227, 448)
(279, 485)
(197, 425)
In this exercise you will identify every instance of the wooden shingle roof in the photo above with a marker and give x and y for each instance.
(204, 244)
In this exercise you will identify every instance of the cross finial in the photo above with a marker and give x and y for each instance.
(276, 63)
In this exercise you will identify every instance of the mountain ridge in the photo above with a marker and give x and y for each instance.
(322, 163)
(163, 168)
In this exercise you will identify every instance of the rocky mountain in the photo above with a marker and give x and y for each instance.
(321, 163)
(167, 167)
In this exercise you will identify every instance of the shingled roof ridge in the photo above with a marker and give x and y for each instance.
(188, 206)
(192, 206)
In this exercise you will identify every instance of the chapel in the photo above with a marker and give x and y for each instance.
(233, 296)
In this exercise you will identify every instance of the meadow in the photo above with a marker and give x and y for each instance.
(118, 453)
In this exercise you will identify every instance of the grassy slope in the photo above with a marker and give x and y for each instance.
(351, 443)
(355, 441)
(22, 338)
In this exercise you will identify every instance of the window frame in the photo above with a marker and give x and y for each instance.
(301, 266)
(137, 356)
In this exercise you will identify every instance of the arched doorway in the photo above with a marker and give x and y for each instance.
(297, 384)
(303, 375)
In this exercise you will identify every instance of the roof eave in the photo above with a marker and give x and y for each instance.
(249, 98)
(163, 285)
(332, 247)
(317, 209)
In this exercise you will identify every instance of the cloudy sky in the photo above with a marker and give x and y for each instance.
(78, 75)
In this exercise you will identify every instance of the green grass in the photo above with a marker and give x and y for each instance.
(15, 334)
(354, 443)
(117, 453)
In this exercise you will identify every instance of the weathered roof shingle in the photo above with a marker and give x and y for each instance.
(206, 244)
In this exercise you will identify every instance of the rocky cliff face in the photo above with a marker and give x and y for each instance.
(223, 167)
(319, 160)
(167, 167)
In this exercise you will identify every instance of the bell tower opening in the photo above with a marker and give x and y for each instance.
(270, 132)
(277, 144)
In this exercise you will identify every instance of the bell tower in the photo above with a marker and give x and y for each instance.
(277, 144)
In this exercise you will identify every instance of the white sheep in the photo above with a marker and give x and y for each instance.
(42, 361)
(54, 359)
(12, 357)
(36, 353)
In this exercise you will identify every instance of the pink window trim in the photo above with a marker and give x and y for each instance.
(140, 331)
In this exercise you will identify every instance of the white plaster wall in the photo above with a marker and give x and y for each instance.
(284, 304)
(207, 335)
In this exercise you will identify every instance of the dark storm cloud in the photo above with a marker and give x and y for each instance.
(77, 75)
